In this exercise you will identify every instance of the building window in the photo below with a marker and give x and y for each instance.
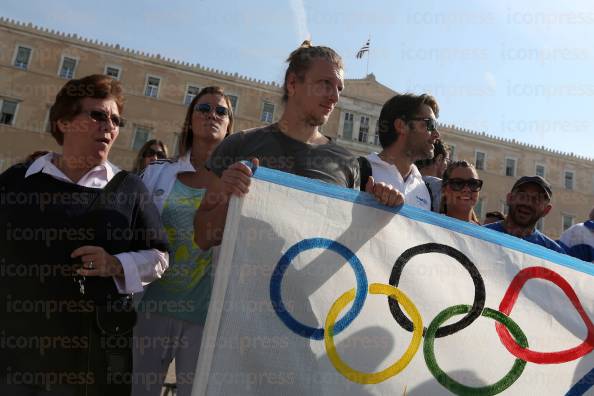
(376, 135)
(8, 109)
(452, 152)
(152, 86)
(68, 67)
(540, 224)
(347, 127)
(191, 93)
(47, 125)
(267, 112)
(510, 167)
(176, 141)
(113, 72)
(233, 100)
(22, 57)
(141, 136)
(540, 170)
(567, 222)
(363, 129)
(479, 160)
(569, 180)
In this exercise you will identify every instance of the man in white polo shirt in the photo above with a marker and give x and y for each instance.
(407, 130)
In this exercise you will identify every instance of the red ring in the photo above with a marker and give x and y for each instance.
(508, 302)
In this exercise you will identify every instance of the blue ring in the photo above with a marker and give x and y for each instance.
(583, 385)
(281, 267)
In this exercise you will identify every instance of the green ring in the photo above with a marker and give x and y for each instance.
(456, 387)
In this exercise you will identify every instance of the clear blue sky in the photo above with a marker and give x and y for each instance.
(516, 69)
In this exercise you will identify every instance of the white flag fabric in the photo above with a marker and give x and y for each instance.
(300, 302)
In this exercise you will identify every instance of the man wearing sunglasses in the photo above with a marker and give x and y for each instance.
(294, 144)
(407, 130)
(528, 201)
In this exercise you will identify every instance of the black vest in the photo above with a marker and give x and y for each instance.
(44, 319)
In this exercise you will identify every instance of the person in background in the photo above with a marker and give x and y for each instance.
(460, 191)
(493, 216)
(578, 240)
(432, 169)
(97, 237)
(528, 201)
(407, 128)
(295, 144)
(152, 150)
(174, 307)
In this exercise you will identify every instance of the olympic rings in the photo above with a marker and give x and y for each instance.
(516, 342)
(279, 271)
(479, 286)
(372, 378)
(456, 387)
(508, 302)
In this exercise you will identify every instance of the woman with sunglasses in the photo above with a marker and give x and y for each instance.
(78, 236)
(174, 307)
(150, 151)
(460, 191)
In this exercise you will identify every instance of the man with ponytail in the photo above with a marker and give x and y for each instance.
(313, 82)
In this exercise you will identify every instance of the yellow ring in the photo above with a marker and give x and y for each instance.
(372, 378)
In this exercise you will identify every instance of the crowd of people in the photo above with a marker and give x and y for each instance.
(80, 235)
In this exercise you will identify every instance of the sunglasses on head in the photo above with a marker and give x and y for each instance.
(431, 123)
(156, 153)
(458, 184)
(205, 108)
(101, 116)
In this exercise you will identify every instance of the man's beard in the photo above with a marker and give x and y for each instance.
(529, 223)
(315, 121)
(420, 154)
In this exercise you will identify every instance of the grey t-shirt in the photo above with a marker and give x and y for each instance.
(326, 162)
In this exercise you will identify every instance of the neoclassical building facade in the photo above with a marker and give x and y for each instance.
(35, 62)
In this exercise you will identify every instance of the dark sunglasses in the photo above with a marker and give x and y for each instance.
(158, 153)
(101, 116)
(458, 184)
(205, 108)
(431, 123)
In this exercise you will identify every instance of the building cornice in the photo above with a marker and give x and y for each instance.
(116, 49)
(512, 143)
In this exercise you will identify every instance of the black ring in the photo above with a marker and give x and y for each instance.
(479, 287)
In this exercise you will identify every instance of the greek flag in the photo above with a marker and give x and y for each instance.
(363, 50)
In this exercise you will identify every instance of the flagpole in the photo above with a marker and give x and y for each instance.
(368, 55)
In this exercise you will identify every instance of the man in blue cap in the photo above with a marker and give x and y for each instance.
(528, 201)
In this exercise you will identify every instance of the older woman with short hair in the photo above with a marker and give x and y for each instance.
(79, 235)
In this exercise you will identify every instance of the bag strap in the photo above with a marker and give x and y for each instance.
(365, 171)
(430, 196)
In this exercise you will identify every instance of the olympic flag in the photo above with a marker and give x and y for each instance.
(300, 303)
